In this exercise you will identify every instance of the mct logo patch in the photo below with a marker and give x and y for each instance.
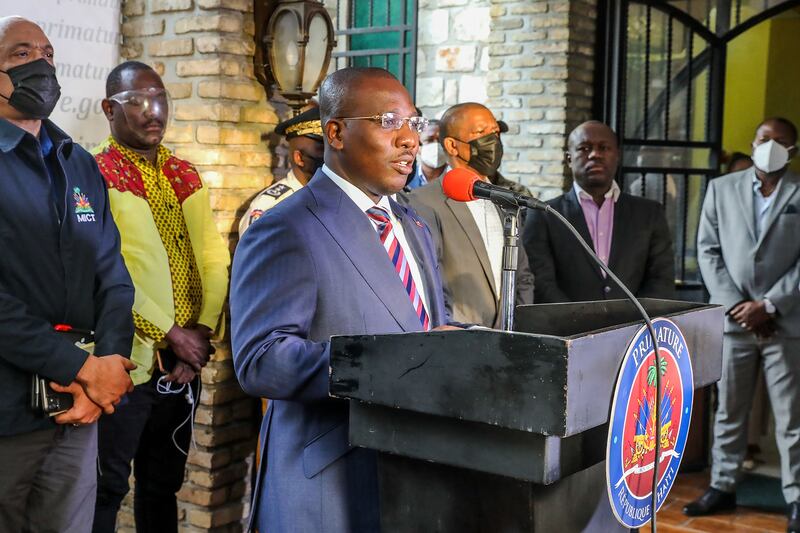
(83, 209)
(631, 434)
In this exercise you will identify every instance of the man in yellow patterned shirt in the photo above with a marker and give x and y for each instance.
(179, 266)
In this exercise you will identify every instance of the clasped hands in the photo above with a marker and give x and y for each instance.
(753, 316)
(103, 381)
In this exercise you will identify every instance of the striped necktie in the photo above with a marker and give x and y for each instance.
(401, 266)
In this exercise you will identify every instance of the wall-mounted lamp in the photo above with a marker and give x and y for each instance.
(297, 40)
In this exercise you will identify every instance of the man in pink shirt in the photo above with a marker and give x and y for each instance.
(628, 233)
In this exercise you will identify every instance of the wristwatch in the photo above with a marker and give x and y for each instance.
(769, 307)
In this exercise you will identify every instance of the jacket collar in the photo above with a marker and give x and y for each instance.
(11, 135)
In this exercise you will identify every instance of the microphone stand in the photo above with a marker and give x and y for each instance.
(651, 329)
(508, 281)
(510, 203)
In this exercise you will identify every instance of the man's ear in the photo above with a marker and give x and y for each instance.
(450, 147)
(568, 158)
(793, 151)
(334, 133)
(108, 109)
(297, 158)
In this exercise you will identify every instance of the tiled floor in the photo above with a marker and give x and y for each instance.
(690, 486)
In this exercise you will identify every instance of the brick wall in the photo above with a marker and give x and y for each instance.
(530, 61)
(203, 49)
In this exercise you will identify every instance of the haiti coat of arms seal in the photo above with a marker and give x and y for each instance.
(631, 446)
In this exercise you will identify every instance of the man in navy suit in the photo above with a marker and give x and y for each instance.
(339, 257)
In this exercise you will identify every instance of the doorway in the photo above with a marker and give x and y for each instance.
(684, 84)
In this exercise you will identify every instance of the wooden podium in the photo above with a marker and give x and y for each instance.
(491, 431)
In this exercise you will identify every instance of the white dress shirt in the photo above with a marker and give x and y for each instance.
(365, 203)
(490, 226)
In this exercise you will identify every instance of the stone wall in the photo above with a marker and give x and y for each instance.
(203, 49)
(531, 62)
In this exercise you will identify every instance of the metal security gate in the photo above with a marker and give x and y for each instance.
(378, 33)
(661, 87)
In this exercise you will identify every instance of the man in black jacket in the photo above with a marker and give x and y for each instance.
(628, 233)
(62, 267)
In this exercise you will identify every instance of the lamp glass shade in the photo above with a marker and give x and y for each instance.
(316, 52)
(286, 51)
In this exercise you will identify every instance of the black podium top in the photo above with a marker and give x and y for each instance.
(532, 404)
(554, 377)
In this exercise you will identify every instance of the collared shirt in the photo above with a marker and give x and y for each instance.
(187, 288)
(761, 204)
(269, 198)
(169, 236)
(490, 226)
(419, 178)
(599, 219)
(364, 203)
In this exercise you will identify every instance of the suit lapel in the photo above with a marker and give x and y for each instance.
(357, 238)
(574, 214)
(744, 192)
(621, 231)
(787, 189)
(467, 222)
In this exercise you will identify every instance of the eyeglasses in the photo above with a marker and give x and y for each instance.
(154, 100)
(393, 121)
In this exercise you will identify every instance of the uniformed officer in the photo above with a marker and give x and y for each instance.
(304, 133)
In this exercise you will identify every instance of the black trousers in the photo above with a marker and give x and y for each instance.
(141, 429)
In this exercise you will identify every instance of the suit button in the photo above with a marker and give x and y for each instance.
(606, 289)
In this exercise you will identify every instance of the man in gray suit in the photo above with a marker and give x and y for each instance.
(749, 254)
(469, 236)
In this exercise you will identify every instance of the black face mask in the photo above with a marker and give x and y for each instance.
(36, 89)
(486, 154)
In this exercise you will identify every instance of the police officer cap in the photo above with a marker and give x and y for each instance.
(306, 123)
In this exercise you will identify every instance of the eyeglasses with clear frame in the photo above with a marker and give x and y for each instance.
(393, 121)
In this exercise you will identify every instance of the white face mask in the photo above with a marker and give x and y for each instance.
(433, 155)
(770, 156)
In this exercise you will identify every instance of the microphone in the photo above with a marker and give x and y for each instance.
(464, 185)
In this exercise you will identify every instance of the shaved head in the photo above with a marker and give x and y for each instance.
(342, 92)
(358, 146)
(578, 132)
(7, 22)
(781, 123)
(453, 119)
(21, 41)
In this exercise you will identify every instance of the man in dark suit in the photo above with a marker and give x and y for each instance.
(628, 233)
(314, 266)
(469, 235)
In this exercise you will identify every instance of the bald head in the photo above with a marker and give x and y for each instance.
(470, 136)
(343, 91)
(21, 42)
(782, 129)
(595, 126)
(6, 22)
(454, 119)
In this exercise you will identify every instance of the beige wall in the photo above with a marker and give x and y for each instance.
(203, 49)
